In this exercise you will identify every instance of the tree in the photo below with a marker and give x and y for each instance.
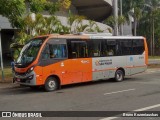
(134, 8)
(41, 25)
(20, 17)
(152, 8)
(13, 10)
(111, 21)
(37, 6)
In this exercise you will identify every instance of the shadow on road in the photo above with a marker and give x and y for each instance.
(12, 90)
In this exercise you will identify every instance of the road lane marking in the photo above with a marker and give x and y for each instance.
(147, 108)
(119, 91)
(141, 109)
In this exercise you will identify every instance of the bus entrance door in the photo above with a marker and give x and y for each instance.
(78, 67)
(72, 73)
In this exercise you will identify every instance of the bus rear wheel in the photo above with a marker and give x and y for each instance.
(51, 84)
(119, 76)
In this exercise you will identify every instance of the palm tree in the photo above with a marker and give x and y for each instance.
(151, 7)
(111, 21)
(134, 8)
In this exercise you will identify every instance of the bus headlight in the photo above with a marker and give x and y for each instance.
(30, 70)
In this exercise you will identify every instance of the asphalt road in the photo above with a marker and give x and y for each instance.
(138, 92)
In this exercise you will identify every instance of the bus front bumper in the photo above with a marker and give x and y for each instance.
(27, 79)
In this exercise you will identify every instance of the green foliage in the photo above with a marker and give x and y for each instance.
(29, 26)
(91, 26)
(13, 10)
(52, 7)
(37, 6)
(111, 20)
(65, 3)
(147, 16)
(132, 7)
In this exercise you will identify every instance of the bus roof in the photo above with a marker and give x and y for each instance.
(91, 36)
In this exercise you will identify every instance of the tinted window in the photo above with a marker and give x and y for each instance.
(94, 48)
(77, 49)
(125, 47)
(104, 48)
(111, 47)
(138, 47)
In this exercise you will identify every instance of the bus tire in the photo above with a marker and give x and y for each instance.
(119, 76)
(51, 84)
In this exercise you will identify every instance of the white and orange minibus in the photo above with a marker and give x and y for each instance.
(55, 60)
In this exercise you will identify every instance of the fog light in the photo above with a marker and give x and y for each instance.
(30, 77)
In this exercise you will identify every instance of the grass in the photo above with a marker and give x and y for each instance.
(7, 73)
(154, 57)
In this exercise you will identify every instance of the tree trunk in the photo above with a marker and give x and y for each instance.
(153, 39)
(135, 26)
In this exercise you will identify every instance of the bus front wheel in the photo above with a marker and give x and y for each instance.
(51, 84)
(119, 75)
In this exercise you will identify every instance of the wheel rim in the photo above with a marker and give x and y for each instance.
(119, 76)
(51, 84)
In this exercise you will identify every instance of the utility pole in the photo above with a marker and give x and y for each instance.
(115, 9)
(1, 56)
(121, 13)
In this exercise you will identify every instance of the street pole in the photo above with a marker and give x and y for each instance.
(115, 6)
(121, 13)
(1, 56)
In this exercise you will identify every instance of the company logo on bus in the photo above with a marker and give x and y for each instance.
(103, 62)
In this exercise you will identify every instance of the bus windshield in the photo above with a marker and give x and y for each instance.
(29, 52)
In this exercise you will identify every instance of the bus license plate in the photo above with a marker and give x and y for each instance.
(18, 80)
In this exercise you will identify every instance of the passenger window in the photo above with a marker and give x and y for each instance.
(104, 51)
(94, 48)
(79, 49)
(138, 47)
(126, 47)
(111, 47)
(57, 51)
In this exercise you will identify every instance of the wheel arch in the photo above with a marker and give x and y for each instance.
(122, 69)
(57, 78)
